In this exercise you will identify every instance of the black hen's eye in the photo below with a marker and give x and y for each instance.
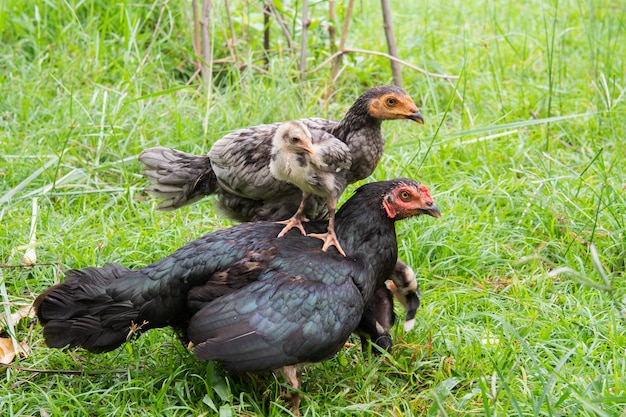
(405, 196)
(391, 101)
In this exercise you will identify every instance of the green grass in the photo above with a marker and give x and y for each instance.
(524, 299)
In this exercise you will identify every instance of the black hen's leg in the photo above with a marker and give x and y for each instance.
(293, 375)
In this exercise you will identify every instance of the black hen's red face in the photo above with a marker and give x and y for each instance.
(407, 200)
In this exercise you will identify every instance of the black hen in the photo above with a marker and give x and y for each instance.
(243, 296)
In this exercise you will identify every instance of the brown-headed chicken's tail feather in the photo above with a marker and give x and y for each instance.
(178, 178)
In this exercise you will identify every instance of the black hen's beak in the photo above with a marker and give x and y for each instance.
(432, 210)
(417, 117)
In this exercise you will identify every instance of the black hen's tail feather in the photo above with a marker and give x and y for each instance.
(79, 312)
(178, 178)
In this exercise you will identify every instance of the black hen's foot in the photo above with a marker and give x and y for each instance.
(330, 239)
(294, 403)
(291, 223)
(293, 375)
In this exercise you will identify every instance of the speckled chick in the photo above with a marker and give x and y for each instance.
(317, 168)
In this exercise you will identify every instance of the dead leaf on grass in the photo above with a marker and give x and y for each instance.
(26, 311)
(8, 352)
(23, 312)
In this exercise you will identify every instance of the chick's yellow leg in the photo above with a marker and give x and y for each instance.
(297, 219)
(330, 238)
(296, 222)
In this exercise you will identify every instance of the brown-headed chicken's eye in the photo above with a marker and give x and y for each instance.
(405, 196)
(391, 101)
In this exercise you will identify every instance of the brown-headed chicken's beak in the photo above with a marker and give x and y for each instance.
(416, 117)
(432, 211)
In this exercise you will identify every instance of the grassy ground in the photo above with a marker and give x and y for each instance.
(523, 308)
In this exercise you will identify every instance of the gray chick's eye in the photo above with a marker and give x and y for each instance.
(295, 139)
